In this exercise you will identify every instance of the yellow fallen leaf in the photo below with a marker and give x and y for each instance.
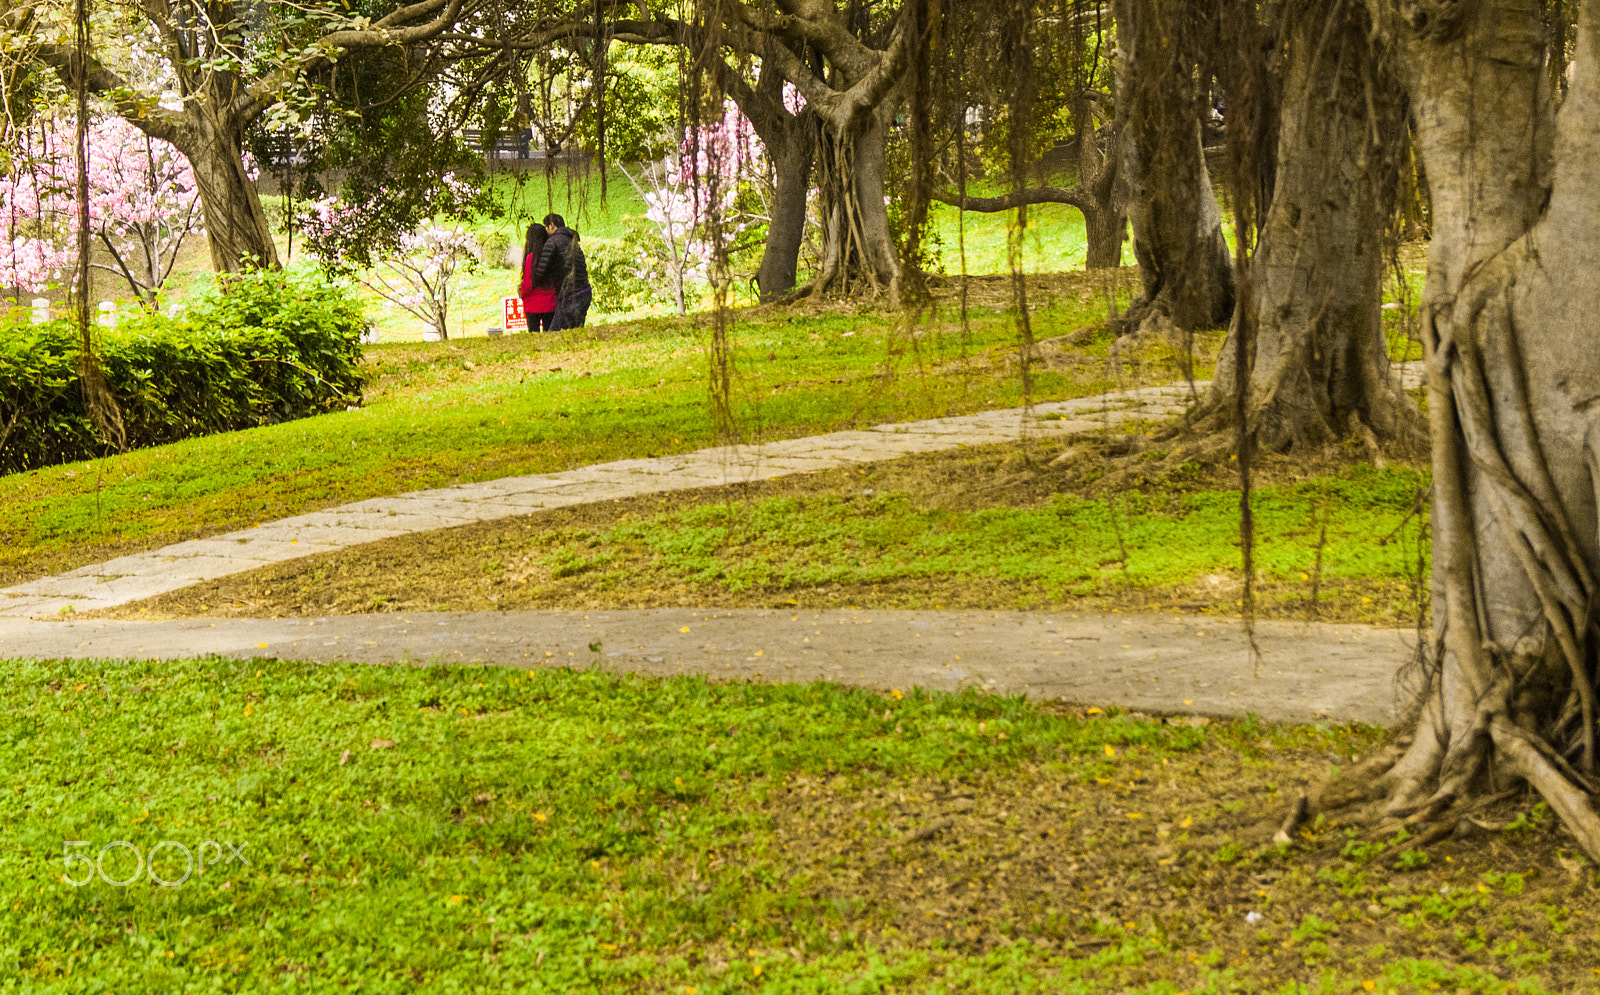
(1366, 601)
(1188, 701)
(1369, 984)
(1305, 576)
(756, 972)
(1093, 711)
(1102, 780)
(678, 781)
(1135, 815)
(79, 687)
(261, 646)
(896, 695)
(791, 601)
(1111, 751)
(609, 946)
(457, 899)
(249, 709)
(761, 652)
(1186, 823)
(540, 817)
(684, 629)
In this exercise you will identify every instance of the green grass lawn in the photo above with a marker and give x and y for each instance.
(449, 829)
(485, 408)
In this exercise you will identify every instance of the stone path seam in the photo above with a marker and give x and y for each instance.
(145, 575)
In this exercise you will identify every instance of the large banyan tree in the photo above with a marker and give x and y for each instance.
(1514, 397)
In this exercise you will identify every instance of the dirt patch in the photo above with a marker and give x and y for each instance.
(1165, 858)
(508, 564)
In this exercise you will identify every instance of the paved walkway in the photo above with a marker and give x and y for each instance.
(145, 575)
(1190, 664)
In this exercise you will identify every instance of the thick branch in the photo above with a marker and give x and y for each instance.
(140, 109)
(390, 30)
(1016, 198)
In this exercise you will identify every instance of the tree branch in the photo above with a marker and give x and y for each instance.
(1016, 198)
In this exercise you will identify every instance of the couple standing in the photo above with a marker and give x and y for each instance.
(555, 277)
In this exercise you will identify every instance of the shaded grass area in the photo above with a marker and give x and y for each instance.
(997, 527)
(479, 829)
(484, 408)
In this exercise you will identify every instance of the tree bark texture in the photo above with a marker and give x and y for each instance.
(1105, 209)
(1178, 241)
(1514, 396)
(857, 245)
(236, 224)
(790, 138)
(786, 229)
(1321, 366)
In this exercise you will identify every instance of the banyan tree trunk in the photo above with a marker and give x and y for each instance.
(857, 248)
(1321, 368)
(236, 223)
(1177, 226)
(780, 255)
(1514, 401)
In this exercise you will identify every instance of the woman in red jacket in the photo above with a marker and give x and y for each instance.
(538, 302)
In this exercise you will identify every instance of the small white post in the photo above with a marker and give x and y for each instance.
(41, 310)
(108, 314)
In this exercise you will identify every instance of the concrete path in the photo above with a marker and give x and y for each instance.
(1190, 664)
(145, 575)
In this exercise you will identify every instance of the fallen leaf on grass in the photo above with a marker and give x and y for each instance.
(344, 758)
(382, 744)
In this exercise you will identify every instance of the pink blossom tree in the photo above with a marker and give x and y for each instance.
(692, 198)
(143, 203)
(418, 274)
(416, 271)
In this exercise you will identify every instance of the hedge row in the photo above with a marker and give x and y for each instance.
(269, 348)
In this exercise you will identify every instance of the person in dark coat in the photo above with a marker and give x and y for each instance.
(562, 262)
(538, 300)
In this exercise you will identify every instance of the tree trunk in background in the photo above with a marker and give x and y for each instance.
(1514, 402)
(236, 224)
(1177, 226)
(780, 256)
(791, 142)
(1105, 208)
(857, 246)
(1321, 367)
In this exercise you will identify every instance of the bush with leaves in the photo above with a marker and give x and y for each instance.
(265, 347)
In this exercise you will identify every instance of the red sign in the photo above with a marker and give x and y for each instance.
(515, 320)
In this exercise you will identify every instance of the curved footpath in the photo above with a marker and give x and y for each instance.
(145, 575)
(1186, 664)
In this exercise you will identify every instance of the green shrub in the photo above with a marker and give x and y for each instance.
(270, 347)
